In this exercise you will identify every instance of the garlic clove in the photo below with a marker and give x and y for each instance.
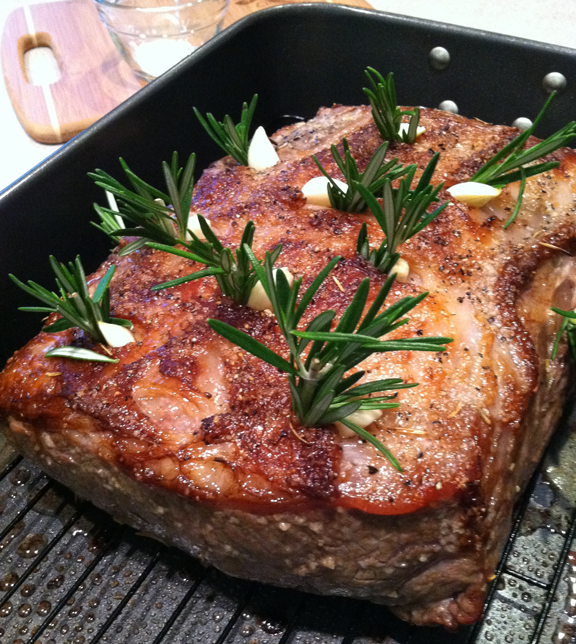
(115, 335)
(194, 226)
(402, 270)
(362, 418)
(472, 193)
(261, 152)
(316, 191)
(403, 129)
(259, 300)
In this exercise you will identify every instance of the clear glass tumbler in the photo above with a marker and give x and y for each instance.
(153, 35)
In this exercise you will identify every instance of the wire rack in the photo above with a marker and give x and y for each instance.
(69, 574)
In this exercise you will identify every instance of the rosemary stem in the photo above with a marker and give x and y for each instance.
(309, 379)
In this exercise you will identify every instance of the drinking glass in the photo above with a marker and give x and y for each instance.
(153, 35)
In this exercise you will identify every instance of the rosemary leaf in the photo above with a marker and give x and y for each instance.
(244, 341)
(77, 353)
(519, 200)
(369, 438)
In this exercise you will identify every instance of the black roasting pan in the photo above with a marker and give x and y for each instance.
(67, 572)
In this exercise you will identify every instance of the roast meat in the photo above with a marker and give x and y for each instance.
(188, 438)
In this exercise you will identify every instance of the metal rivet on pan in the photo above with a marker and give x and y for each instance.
(449, 106)
(439, 58)
(554, 81)
(522, 123)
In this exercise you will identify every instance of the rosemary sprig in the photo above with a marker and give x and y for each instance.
(568, 326)
(75, 305)
(512, 163)
(403, 214)
(372, 178)
(146, 206)
(233, 139)
(387, 115)
(321, 393)
(235, 275)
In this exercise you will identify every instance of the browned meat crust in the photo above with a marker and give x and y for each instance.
(188, 437)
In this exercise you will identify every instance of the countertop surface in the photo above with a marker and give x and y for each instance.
(551, 21)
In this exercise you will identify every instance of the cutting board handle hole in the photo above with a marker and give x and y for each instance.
(37, 59)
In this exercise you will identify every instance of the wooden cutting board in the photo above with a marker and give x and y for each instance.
(94, 77)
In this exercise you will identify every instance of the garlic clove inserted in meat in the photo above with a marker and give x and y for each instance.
(194, 226)
(115, 335)
(261, 152)
(403, 129)
(316, 191)
(259, 300)
(402, 270)
(473, 193)
(362, 418)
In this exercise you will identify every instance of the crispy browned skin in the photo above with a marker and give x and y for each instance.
(187, 412)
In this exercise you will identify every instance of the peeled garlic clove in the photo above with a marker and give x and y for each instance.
(403, 129)
(115, 335)
(362, 418)
(261, 152)
(258, 299)
(343, 431)
(316, 191)
(194, 226)
(402, 270)
(473, 194)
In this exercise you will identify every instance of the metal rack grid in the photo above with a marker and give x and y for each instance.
(69, 574)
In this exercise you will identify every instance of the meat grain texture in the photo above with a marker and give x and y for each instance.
(188, 438)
